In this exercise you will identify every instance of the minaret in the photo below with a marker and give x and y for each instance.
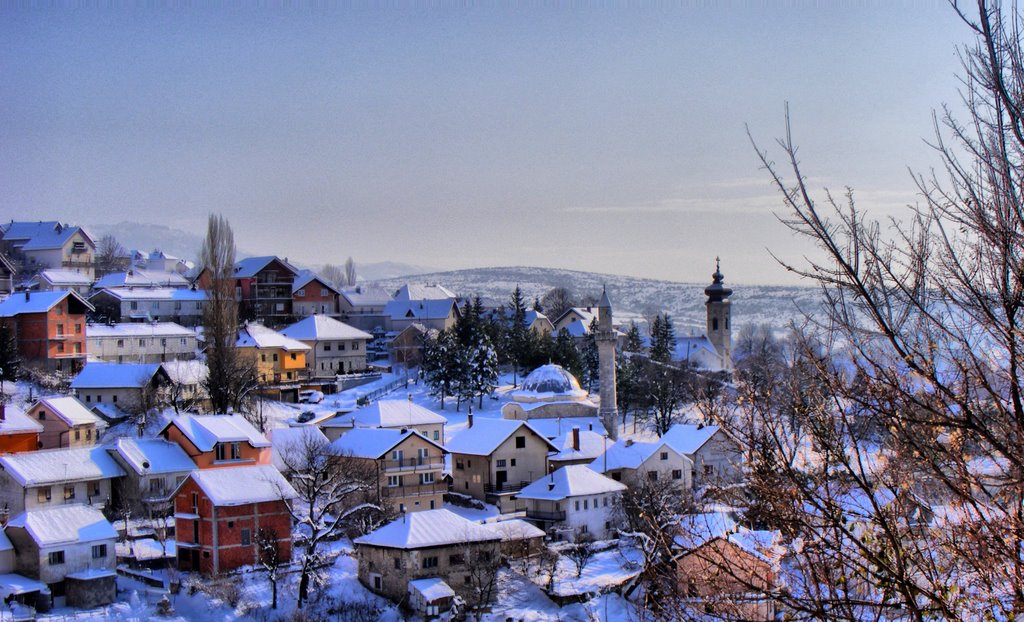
(605, 338)
(719, 331)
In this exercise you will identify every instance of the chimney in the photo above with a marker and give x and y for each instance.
(629, 442)
(27, 294)
(576, 438)
(469, 420)
(3, 412)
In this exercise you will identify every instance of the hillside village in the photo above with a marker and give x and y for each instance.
(251, 440)
(118, 475)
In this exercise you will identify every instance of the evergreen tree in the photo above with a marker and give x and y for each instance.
(536, 304)
(441, 364)
(10, 360)
(565, 352)
(590, 360)
(663, 339)
(518, 337)
(634, 343)
(481, 365)
(627, 383)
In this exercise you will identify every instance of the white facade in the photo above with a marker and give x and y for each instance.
(140, 342)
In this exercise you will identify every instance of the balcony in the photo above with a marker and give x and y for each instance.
(429, 463)
(539, 515)
(504, 489)
(437, 488)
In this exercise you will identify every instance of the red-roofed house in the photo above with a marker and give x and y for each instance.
(219, 513)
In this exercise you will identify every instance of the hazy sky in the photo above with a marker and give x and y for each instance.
(609, 140)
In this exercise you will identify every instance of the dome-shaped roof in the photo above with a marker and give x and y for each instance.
(549, 382)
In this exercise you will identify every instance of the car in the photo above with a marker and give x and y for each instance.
(311, 397)
(305, 416)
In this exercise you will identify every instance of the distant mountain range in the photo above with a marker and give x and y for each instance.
(632, 297)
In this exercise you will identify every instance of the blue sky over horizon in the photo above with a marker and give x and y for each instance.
(603, 139)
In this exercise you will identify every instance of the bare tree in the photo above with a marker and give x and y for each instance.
(230, 378)
(110, 256)
(332, 491)
(557, 301)
(483, 560)
(270, 559)
(334, 274)
(581, 551)
(899, 471)
(350, 272)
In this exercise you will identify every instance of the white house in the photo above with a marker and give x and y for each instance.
(150, 304)
(631, 462)
(71, 549)
(140, 342)
(124, 385)
(56, 279)
(40, 479)
(154, 467)
(142, 278)
(573, 500)
(716, 456)
(335, 347)
(390, 414)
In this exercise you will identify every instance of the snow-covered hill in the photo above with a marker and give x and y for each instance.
(635, 297)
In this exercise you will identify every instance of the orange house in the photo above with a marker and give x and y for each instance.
(263, 288)
(50, 328)
(214, 441)
(18, 431)
(280, 361)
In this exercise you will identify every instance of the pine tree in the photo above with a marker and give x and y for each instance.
(441, 364)
(590, 359)
(663, 339)
(518, 338)
(564, 352)
(10, 360)
(634, 343)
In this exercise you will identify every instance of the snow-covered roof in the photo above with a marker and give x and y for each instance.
(372, 442)
(283, 439)
(592, 445)
(305, 277)
(573, 480)
(577, 328)
(11, 583)
(686, 438)
(390, 414)
(115, 375)
(366, 296)
(37, 302)
(431, 589)
(624, 456)
(428, 528)
(532, 315)
(138, 329)
(322, 328)
(515, 529)
(419, 309)
(690, 346)
(58, 276)
(251, 266)
(70, 409)
(696, 529)
(255, 335)
(243, 485)
(65, 524)
(55, 466)
(205, 431)
(186, 372)
(26, 230)
(153, 455)
(15, 421)
(42, 235)
(142, 278)
(183, 294)
(547, 383)
(583, 314)
(419, 291)
(556, 426)
(486, 434)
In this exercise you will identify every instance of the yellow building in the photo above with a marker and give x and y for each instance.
(280, 361)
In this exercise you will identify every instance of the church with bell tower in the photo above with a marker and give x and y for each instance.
(719, 320)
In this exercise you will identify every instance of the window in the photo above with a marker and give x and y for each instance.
(426, 478)
(60, 330)
(263, 358)
(714, 324)
(78, 329)
(60, 346)
(520, 442)
(398, 563)
(585, 504)
(430, 562)
(77, 348)
(397, 454)
(246, 537)
(44, 495)
(163, 342)
(69, 492)
(341, 347)
(664, 455)
(459, 465)
(99, 551)
(323, 292)
(88, 398)
(294, 356)
(394, 481)
(78, 434)
(301, 292)
(677, 474)
(327, 347)
(583, 529)
(56, 558)
(99, 398)
(184, 341)
(195, 504)
(652, 475)
(133, 305)
(156, 484)
(605, 501)
(355, 345)
(577, 505)
(422, 453)
(236, 451)
(708, 469)
(501, 464)
(218, 451)
(42, 415)
(275, 357)
(437, 437)
(115, 399)
(95, 489)
(456, 560)
(142, 343)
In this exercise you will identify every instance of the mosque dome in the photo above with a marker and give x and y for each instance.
(548, 383)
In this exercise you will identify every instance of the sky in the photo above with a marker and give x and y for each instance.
(598, 137)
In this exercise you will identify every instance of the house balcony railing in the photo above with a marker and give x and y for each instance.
(550, 516)
(429, 462)
(71, 263)
(418, 490)
(506, 488)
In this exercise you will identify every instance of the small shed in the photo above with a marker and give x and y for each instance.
(430, 597)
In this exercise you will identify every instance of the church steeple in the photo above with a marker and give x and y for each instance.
(719, 311)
